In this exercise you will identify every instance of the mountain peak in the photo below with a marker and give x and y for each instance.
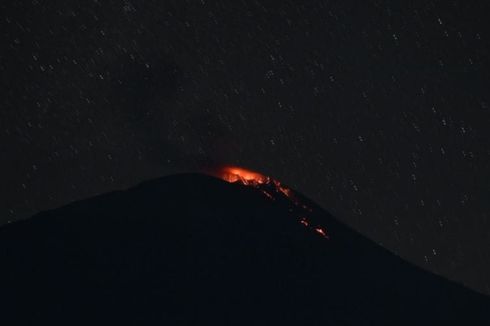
(193, 248)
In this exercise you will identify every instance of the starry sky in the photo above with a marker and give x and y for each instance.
(376, 110)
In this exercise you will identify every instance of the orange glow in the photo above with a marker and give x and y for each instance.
(246, 177)
(272, 189)
(321, 232)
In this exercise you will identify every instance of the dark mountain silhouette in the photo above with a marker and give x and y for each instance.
(192, 249)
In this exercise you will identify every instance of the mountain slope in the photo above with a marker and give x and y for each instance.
(193, 249)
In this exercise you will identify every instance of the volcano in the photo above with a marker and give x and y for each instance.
(194, 249)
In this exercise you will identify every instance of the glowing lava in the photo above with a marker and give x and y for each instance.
(246, 177)
(271, 189)
(250, 178)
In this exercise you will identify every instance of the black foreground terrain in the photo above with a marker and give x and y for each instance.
(192, 249)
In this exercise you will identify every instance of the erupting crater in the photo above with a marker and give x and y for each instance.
(243, 176)
(273, 190)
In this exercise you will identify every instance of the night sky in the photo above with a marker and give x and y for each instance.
(378, 111)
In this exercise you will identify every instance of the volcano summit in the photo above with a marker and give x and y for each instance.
(193, 249)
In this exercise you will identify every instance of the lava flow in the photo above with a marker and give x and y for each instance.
(271, 189)
(245, 177)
